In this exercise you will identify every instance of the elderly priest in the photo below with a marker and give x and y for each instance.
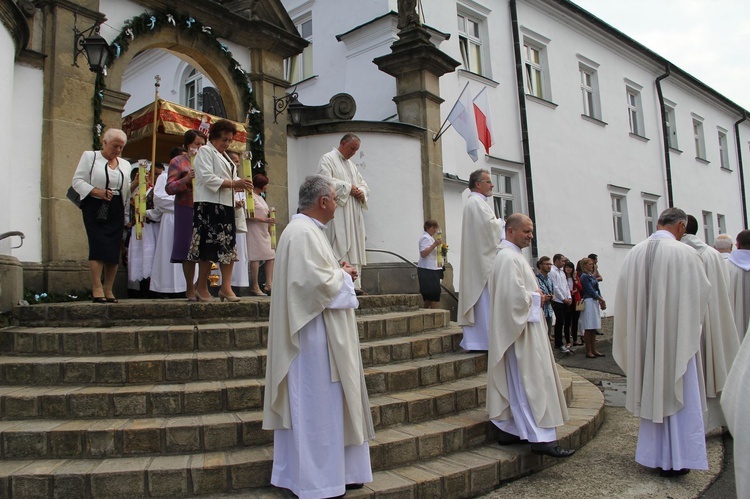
(739, 282)
(315, 395)
(524, 395)
(662, 298)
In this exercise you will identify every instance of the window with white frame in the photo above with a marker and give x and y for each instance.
(535, 69)
(708, 227)
(470, 43)
(193, 89)
(671, 126)
(620, 223)
(721, 223)
(635, 111)
(504, 194)
(699, 140)
(300, 67)
(650, 215)
(590, 91)
(723, 149)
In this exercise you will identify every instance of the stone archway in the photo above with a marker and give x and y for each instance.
(202, 55)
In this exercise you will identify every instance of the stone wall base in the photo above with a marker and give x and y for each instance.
(65, 276)
(11, 282)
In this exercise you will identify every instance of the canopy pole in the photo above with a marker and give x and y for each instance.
(157, 83)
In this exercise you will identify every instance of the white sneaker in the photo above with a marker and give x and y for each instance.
(564, 349)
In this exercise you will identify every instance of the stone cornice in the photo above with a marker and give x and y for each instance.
(31, 58)
(12, 18)
(357, 127)
(72, 7)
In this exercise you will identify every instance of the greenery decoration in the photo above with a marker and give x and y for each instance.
(151, 22)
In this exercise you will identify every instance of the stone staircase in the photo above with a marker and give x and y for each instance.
(164, 399)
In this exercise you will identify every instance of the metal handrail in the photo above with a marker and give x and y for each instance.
(413, 265)
(11, 234)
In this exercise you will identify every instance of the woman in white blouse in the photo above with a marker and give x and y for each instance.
(428, 272)
(101, 179)
(214, 232)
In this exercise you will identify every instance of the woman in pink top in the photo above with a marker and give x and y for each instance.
(259, 239)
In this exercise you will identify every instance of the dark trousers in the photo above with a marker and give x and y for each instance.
(574, 315)
(562, 320)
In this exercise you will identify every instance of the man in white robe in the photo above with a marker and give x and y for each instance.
(525, 398)
(481, 234)
(347, 230)
(735, 401)
(723, 244)
(739, 282)
(315, 395)
(166, 277)
(662, 297)
(141, 252)
(719, 343)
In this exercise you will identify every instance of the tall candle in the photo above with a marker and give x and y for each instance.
(140, 201)
(439, 247)
(191, 155)
(272, 229)
(247, 173)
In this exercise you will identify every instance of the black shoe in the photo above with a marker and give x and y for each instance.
(673, 473)
(359, 292)
(99, 299)
(354, 486)
(551, 449)
(509, 438)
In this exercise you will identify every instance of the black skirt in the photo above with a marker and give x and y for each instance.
(214, 238)
(429, 283)
(105, 238)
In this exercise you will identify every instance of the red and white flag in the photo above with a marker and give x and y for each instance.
(484, 120)
(461, 119)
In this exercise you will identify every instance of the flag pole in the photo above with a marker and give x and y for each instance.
(157, 83)
(440, 130)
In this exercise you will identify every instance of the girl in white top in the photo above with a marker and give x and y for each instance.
(428, 272)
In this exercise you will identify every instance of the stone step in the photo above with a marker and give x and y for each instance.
(119, 340)
(47, 438)
(163, 397)
(448, 457)
(179, 311)
(198, 366)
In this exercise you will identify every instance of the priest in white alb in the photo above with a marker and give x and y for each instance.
(662, 298)
(525, 399)
(347, 230)
(735, 401)
(315, 396)
(166, 277)
(481, 234)
(739, 282)
(720, 343)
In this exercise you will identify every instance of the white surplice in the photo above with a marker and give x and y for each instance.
(141, 251)
(524, 393)
(662, 298)
(735, 402)
(739, 288)
(166, 277)
(720, 342)
(315, 398)
(346, 232)
(481, 234)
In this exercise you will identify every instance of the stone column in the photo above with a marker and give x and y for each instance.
(417, 66)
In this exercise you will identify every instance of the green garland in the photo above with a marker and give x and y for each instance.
(148, 23)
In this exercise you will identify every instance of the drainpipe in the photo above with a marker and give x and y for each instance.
(739, 166)
(665, 136)
(524, 125)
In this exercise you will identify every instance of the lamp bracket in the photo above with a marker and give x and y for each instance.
(281, 103)
(80, 35)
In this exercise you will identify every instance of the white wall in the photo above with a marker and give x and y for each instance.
(8, 169)
(390, 164)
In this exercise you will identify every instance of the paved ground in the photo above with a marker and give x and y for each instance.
(605, 467)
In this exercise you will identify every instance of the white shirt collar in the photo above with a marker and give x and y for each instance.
(480, 195)
(662, 234)
(511, 245)
(741, 258)
(320, 225)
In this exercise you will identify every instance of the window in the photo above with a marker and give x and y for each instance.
(503, 194)
(470, 43)
(650, 215)
(194, 90)
(700, 144)
(708, 227)
(590, 91)
(721, 222)
(723, 151)
(635, 111)
(300, 66)
(534, 63)
(671, 126)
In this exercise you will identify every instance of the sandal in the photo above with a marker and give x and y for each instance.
(578, 344)
(600, 354)
(590, 356)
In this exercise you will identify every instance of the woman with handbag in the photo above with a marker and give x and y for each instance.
(591, 320)
(214, 230)
(101, 182)
(577, 304)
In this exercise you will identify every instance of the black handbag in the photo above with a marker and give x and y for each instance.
(72, 194)
(102, 213)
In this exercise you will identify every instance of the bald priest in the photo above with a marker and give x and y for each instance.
(525, 399)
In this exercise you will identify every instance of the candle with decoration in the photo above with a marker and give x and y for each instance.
(247, 173)
(191, 155)
(272, 228)
(140, 201)
(439, 235)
